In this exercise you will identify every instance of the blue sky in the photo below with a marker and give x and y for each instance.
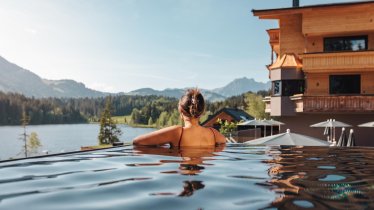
(122, 45)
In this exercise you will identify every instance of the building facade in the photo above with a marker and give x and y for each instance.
(226, 114)
(322, 66)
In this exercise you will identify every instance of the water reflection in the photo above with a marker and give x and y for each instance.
(321, 177)
(190, 186)
(191, 158)
(191, 163)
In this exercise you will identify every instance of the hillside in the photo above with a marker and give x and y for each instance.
(16, 79)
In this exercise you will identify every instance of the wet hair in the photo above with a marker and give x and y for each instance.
(192, 104)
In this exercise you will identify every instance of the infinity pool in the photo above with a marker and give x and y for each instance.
(234, 177)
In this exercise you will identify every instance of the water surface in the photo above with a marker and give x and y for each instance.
(234, 177)
(58, 138)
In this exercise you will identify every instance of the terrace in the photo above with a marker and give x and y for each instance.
(339, 61)
(311, 104)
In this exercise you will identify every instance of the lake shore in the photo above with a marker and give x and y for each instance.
(59, 138)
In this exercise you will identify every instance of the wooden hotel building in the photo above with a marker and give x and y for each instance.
(322, 66)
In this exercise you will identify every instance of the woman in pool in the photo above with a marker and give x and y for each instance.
(191, 106)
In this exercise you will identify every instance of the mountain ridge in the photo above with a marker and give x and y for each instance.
(16, 79)
(176, 93)
(242, 85)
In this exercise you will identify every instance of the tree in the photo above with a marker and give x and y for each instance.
(176, 118)
(162, 119)
(226, 127)
(24, 121)
(150, 121)
(109, 133)
(33, 143)
(255, 106)
(135, 116)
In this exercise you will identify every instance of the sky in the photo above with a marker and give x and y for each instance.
(123, 45)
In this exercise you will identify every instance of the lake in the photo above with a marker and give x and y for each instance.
(58, 138)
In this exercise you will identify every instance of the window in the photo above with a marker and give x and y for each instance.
(292, 87)
(348, 43)
(288, 87)
(277, 86)
(345, 84)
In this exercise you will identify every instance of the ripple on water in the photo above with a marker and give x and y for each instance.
(327, 167)
(303, 203)
(239, 177)
(332, 178)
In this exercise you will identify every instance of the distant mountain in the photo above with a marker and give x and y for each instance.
(212, 96)
(18, 80)
(241, 85)
(71, 88)
(234, 88)
(176, 93)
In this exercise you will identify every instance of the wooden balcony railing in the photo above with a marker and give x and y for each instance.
(342, 61)
(274, 36)
(267, 100)
(358, 104)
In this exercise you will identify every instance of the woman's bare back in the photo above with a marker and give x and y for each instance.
(197, 137)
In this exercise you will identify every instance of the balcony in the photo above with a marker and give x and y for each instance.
(339, 61)
(318, 104)
(267, 101)
(274, 36)
(274, 41)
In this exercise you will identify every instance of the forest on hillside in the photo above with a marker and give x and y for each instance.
(155, 111)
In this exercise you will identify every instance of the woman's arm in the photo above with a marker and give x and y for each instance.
(220, 139)
(160, 137)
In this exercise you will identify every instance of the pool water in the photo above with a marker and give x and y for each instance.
(233, 177)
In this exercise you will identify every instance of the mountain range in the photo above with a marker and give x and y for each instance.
(236, 87)
(176, 93)
(19, 80)
(14, 78)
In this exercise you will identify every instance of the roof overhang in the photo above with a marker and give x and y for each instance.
(278, 12)
(287, 61)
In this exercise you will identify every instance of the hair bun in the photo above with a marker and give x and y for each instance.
(192, 103)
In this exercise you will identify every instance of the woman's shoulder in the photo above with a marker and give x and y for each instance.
(171, 130)
(220, 138)
(159, 137)
(174, 128)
